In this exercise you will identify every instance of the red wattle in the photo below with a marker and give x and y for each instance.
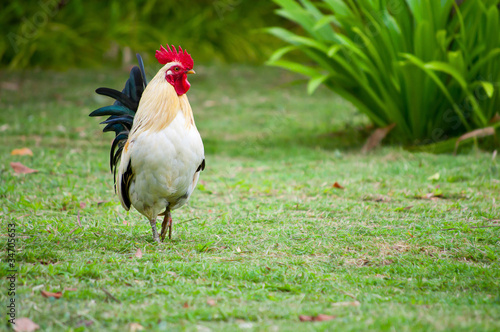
(179, 82)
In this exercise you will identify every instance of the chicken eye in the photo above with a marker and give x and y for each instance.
(177, 69)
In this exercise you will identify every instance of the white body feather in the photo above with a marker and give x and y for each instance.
(164, 150)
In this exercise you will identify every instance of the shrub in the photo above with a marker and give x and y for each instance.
(430, 67)
(62, 33)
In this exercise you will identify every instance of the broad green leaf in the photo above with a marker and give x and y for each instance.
(295, 67)
(416, 61)
(488, 88)
(338, 7)
(278, 54)
(333, 50)
(448, 69)
(324, 21)
(282, 34)
(315, 82)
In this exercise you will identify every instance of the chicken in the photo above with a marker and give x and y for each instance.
(157, 145)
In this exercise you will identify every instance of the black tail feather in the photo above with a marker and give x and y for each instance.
(122, 112)
(116, 127)
(126, 120)
(119, 96)
(119, 142)
(143, 72)
(114, 110)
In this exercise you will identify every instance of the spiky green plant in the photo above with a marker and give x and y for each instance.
(431, 67)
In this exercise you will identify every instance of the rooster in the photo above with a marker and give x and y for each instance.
(157, 154)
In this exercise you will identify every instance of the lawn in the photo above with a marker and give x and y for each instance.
(411, 242)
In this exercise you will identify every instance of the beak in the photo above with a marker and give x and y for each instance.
(190, 71)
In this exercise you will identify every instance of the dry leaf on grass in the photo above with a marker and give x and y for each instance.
(432, 196)
(78, 219)
(24, 324)
(376, 137)
(21, 152)
(434, 176)
(173, 274)
(185, 305)
(319, 318)
(49, 294)
(346, 304)
(211, 302)
(21, 169)
(337, 185)
(11, 86)
(138, 253)
(495, 118)
(84, 323)
(133, 327)
(110, 296)
(488, 131)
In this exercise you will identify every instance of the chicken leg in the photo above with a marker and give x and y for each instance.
(167, 222)
(156, 238)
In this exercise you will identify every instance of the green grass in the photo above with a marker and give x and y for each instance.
(265, 235)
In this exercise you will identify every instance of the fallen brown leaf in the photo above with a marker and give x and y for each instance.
(185, 305)
(495, 118)
(138, 253)
(133, 327)
(84, 323)
(110, 295)
(488, 131)
(319, 318)
(211, 302)
(49, 294)
(376, 137)
(21, 152)
(24, 324)
(337, 185)
(432, 196)
(21, 169)
(11, 86)
(346, 304)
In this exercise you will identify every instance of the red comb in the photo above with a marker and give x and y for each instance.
(165, 56)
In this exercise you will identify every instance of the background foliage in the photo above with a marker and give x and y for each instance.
(62, 34)
(430, 67)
